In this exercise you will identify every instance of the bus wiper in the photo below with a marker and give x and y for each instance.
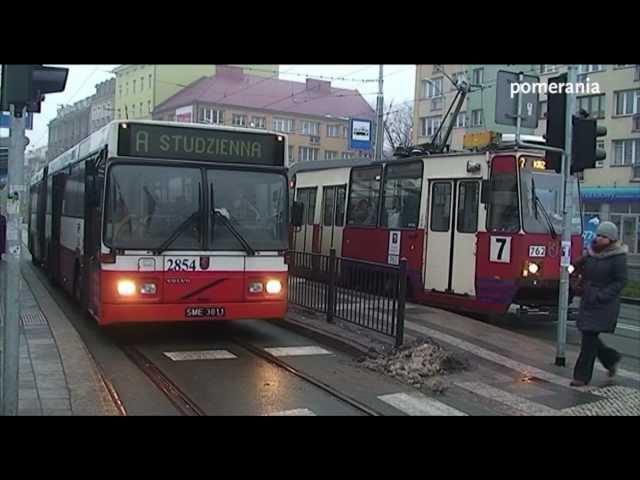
(235, 232)
(182, 227)
(177, 232)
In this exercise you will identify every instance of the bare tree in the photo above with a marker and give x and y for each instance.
(398, 125)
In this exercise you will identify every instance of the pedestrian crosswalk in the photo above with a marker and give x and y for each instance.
(499, 397)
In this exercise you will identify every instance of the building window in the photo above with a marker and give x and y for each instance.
(310, 128)
(211, 115)
(478, 76)
(345, 132)
(594, 104)
(456, 77)
(334, 131)
(432, 88)
(133, 111)
(429, 126)
(141, 83)
(238, 120)
(291, 158)
(149, 80)
(258, 122)
(542, 109)
(134, 86)
(548, 69)
(476, 118)
(120, 90)
(582, 69)
(627, 102)
(126, 92)
(626, 152)
(347, 155)
(307, 154)
(284, 125)
(329, 155)
(141, 108)
(461, 120)
(149, 106)
(437, 103)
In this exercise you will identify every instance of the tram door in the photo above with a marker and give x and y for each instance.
(332, 222)
(450, 265)
(304, 235)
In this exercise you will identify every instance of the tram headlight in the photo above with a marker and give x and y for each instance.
(530, 268)
(571, 269)
(274, 287)
(126, 288)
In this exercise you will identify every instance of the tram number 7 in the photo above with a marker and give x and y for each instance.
(500, 250)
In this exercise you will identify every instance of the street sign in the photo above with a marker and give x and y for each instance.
(5, 120)
(507, 99)
(360, 137)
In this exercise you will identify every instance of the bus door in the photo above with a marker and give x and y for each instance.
(304, 236)
(92, 239)
(57, 196)
(333, 211)
(450, 265)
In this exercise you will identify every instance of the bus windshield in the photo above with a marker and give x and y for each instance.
(255, 205)
(152, 207)
(542, 203)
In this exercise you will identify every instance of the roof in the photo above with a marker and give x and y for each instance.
(235, 89)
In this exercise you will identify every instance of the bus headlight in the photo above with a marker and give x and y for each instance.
(126, 288)
(571, 269)
(148, 289)
(274, 287)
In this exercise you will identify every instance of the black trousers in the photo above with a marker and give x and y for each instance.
(592, 348)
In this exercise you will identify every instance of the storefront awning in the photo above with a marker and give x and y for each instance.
(610, 194)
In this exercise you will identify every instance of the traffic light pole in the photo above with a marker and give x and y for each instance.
(11, 328)
(567, 215)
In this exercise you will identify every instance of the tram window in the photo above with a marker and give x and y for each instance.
(328, 200)
(308, 197)
(341, 194)
(364, 196)
(467, 216)
(402, 189)
(441, 207)
(503, 210)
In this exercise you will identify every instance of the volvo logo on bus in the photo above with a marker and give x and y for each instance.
(204, 263)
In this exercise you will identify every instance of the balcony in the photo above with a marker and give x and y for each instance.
(437, 103)
(635, 123)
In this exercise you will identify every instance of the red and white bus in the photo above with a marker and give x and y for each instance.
(155, 221)
(481, 231)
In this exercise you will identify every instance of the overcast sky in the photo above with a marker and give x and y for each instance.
(398, 86)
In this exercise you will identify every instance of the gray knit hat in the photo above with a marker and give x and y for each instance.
(609, 230)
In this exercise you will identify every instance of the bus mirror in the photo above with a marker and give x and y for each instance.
(297, 214)
(485, 196)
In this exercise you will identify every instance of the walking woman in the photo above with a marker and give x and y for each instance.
(604, 274)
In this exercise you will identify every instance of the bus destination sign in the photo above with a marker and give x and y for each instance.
(201, 144)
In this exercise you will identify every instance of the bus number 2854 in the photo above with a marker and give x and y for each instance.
(180, 265)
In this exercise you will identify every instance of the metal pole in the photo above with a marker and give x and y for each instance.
(567, 210)
(402, 298)
(331, 289)
(519, 114)
(15, 191)
(380, 122)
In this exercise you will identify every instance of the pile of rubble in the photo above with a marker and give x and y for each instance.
(421, 364)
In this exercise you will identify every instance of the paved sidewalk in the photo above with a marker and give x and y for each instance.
(57, 375)
(510, 373)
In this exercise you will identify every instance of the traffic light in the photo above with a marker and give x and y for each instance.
(26, 85)
(584, 153)
(556, 122)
